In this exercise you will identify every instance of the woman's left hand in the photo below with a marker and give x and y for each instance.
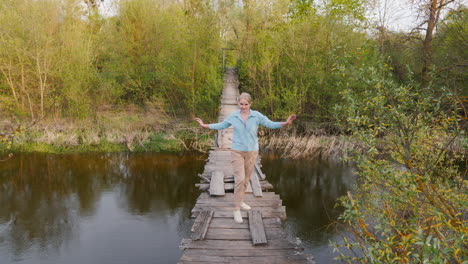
(291, 118)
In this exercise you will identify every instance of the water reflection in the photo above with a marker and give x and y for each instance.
(49, 203)
(135, 208)
(309, 190)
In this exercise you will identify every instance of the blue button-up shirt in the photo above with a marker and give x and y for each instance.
(245, 134)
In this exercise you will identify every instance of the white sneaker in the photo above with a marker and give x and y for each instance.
(237, 216)
(245, 206)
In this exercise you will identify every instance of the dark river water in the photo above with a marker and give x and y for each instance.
(135, 208)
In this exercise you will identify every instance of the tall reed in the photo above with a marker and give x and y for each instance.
(308, 145)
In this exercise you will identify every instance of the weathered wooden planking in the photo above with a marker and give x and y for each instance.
(229, 186)
(226, 241)
(201, 207)
(252, 252)
(204, 178)
(230, 197)
(253, 203)
(220, 153)
(226, 223)
(259, 171)
(242, 234)
(267, 213)
(226, 169)
(200, 227)
(228, 173)
(255, 183)
(229, 102)
(217, 184)
(257, 231)
(219, 162)
(244, 260)
(238, 244)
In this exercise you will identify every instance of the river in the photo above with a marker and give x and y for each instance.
(135, 207)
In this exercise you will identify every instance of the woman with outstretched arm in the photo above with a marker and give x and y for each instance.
(244, 145)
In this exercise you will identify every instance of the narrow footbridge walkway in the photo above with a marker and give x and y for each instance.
(216, 238)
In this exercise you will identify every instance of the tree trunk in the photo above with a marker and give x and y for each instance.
(23, 88)
(427, 43)
(10, 83)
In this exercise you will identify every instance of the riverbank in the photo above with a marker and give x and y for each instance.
(129, 130)
(139, 132)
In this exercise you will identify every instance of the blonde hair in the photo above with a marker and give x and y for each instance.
(245, 96)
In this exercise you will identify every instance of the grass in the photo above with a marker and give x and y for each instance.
(306, 146)
(149, 130)
(115, 140)
(133, 132)
(131, 129)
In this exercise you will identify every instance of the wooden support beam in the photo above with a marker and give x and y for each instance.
(202, 222)
(206, 179)
(217, 184)
(259, 172)
(257, 231)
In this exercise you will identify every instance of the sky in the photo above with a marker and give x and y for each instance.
(400, 15)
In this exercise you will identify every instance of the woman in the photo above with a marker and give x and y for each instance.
(244, 145)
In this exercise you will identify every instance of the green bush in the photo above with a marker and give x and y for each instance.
(410, 206)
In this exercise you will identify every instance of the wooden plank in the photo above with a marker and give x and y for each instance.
(242, 234)
(224, 240)
(257, 231)
(229, 186)
(254, 203)
(219, 162)
(226, 223)
(244, 260)
(234, 252)
(204, 178)
(226, 170)
(259, 171)
(230, 196)
(255, 183)
(217, 184)
(200, 227)
(238, 244)
(200, 207)
(217, 165)
(228, 214)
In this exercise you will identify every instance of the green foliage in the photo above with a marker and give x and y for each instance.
(161, 51)
(58, 59)
(451, 55)
(411, 204)
(159, 142)
(347, 10)
(298, 65)
(300, 9)
(46, 59)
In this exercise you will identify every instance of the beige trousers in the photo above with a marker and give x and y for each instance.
(243, 163)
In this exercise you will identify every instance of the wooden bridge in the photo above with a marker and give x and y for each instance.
(216, 237)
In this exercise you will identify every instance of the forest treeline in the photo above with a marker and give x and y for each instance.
(63, 58)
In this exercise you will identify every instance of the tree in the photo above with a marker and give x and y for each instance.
(432, 11)
(410, 205)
